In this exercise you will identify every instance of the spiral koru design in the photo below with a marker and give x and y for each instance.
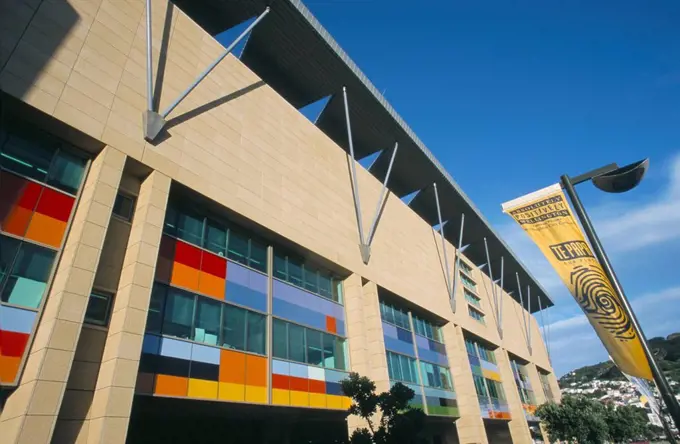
(595, 295)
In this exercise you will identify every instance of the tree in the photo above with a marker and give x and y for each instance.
(389, 418)
(585, 421)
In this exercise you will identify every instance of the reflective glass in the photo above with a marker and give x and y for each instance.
(27, 281)
(97, 311)
(314, 347)
(258, 256)
(238, 247)
(216, 238)
(179, 313)
(296, 343)
(234, 328)
(66, 172)
(280, 339)
(207, 325)
(256, 332)
(154, 318)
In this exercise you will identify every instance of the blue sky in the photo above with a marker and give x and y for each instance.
(510, 95)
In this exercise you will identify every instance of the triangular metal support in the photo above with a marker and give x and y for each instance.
(524, 318)
(365, 242)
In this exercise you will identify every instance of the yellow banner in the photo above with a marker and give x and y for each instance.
(547, 218)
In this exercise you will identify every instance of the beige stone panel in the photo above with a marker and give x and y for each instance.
(519, 428)
(37, 401)
(112, 402)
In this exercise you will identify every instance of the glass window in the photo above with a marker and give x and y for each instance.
(98, 309)
(124, 206)
(480, 387)
(179, 313)
(340, 354)
(395, 365)
(406, 370)
(238, 247)
(325, 286)
(154, 319)
(66, 172)
(215, 238)
(207, 325)
(314, 347)
(311, 280)
(234, 328)
(26, 157)
(280, 271)
(8, 251)
(389, 314)
(328, 350)
(258, 256)
(295, 272)
(280, 339)
(296, 343)
(256, 332)
(189, 228)
(26, 282)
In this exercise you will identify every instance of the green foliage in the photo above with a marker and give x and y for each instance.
(585, 421)
(398, 423)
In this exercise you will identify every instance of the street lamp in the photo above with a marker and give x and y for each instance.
(613, 179)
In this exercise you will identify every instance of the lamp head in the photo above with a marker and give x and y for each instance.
(622, 179)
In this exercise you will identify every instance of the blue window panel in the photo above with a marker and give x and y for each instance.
(334, 388)
(340, 328)
(203, 353)
(389, 330)
(16, 319)
(398, 346)
(296, 313)
(280, 367)
(474, 360)
(430, 356)
(173, 348)
(151, 344)
(245, 296)
(299, 370)
(339, 312)
(437, 347)
(404, 335)
(335, 376)
(489, 366)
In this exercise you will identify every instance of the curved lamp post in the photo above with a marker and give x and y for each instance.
(613, 179)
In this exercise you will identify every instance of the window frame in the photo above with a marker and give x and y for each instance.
(133, 206)
(109, 307)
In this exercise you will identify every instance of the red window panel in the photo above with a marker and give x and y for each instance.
(188, 255)
(214, 264)
(55, 204)
(12, 343)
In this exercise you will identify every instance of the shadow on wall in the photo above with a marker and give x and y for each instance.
(33, 32)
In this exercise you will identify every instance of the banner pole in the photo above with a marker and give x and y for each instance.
(659, 378)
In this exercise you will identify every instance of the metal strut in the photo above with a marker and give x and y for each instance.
(381, 200)
(153, 121)
(493, 284)
(456, 265)
(364, 243)
(524, 318)
(441, 233)
(149, 55)
(529, 318)
(545, 339)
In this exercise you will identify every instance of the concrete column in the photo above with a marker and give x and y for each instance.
(31, 411)
(470, 425)
(112, 402)
(519, 428)
(364, 332)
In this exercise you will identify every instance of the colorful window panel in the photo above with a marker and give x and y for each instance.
(24, 271)
(436, 376)
(398, 340)
(187, 266)
(16, 325)
(431, 351)
(440, 402)
(33, 211)
(176, 368)
(301, 385)
(297, 305)
(427, 329)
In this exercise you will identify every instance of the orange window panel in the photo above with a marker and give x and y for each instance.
(46, 230)
(9, 367)
(256, 371)
(232, 367)
(331, 324)
(211, 285)
(171, 385)
(317, 386)
(184, 276)
(16, 221)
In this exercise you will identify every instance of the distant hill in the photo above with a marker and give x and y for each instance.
(666, 350)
